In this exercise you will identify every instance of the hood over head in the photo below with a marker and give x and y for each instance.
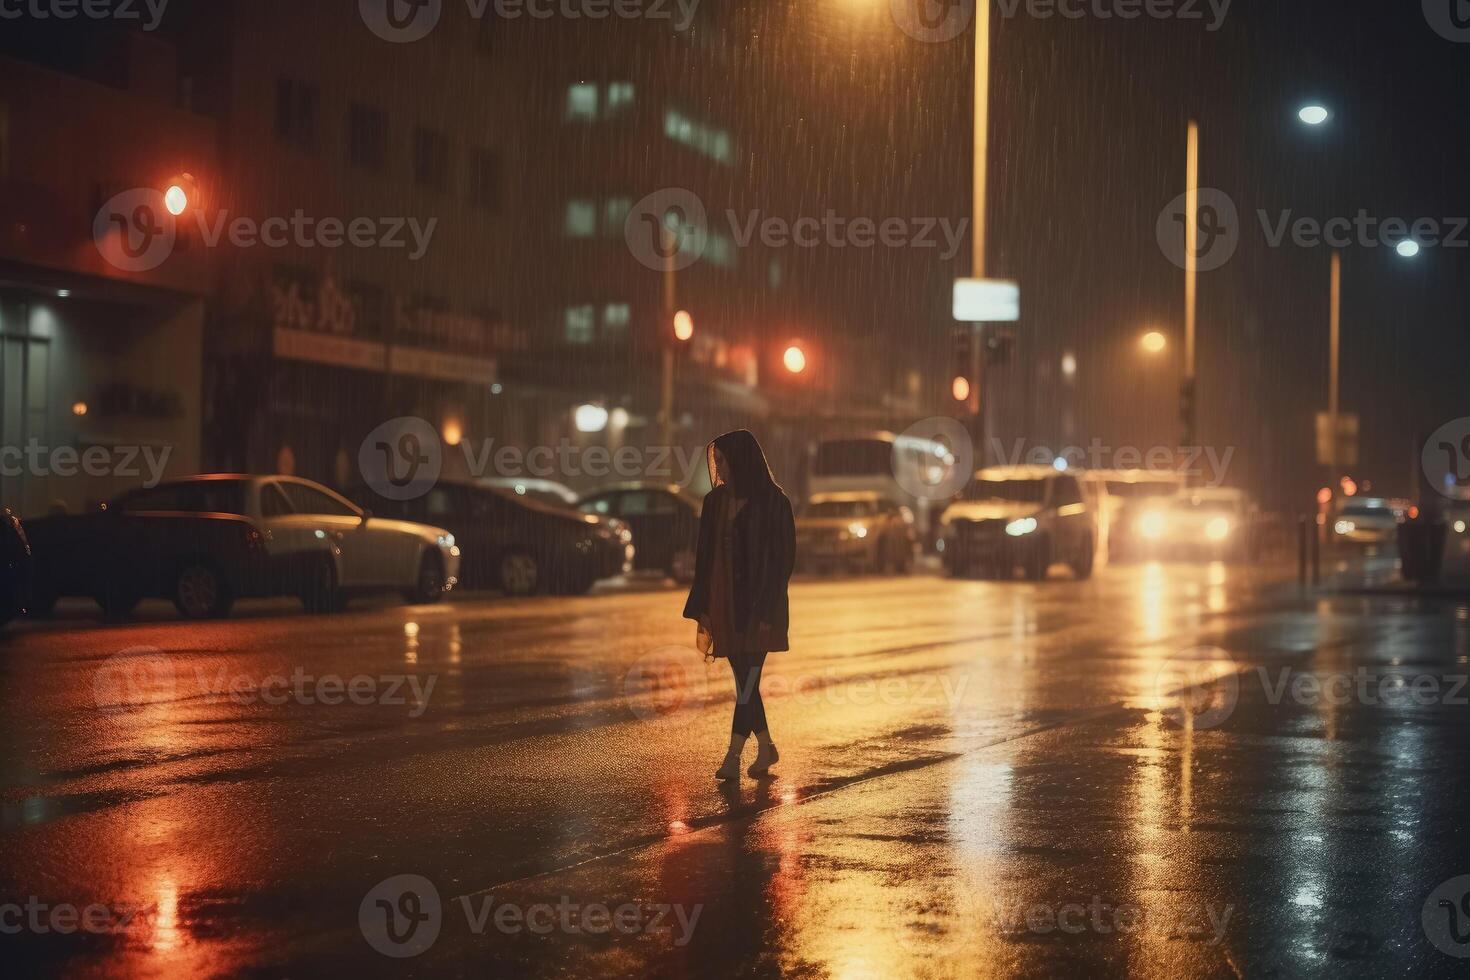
(746, 471)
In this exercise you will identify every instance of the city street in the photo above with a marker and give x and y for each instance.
(1169, 769)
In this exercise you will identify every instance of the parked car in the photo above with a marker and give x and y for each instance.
(1434, 544)
(861, 531)
(1367, 522)
(1032, 516)
(208, 540)
(516, 543)
(664, 519)
(15, 567)
(546, 491)
(1209, 522)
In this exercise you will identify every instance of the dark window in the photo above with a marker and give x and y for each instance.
(203, 497)
(273, 502)
(1068, 491)
(598, 505)
(367, 137)
(840, 508)
(854, 457)
(296, 112)
(369, 308)
(430, 158)
(485, 179)
(1017, 491)
(440, 503)
(309, 500)
(639, 503)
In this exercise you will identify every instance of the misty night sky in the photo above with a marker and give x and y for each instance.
(1087, 143)
(1087, 140)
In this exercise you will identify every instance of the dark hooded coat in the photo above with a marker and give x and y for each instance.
(764, 542)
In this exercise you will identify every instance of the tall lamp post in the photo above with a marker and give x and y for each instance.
(980, 396)
(678, 327)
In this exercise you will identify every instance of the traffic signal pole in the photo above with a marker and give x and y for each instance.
(980, 393)
(666, 389)
(1189, 394)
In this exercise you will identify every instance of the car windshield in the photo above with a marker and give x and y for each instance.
(839, 508)
(1018, 491)
(1142, 489)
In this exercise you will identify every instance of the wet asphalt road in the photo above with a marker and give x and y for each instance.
(1168, 770)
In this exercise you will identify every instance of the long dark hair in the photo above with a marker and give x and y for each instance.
(746, 471)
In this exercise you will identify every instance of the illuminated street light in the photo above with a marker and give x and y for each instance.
(176, 199)
(794, 359)
(1408, 248)
(1153, 342)
(1313, 115)
(683, 325)
(591, 418)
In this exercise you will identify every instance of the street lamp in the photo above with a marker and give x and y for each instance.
(794, 359)
(1313, 115)
(683, 325)
(1153, 342)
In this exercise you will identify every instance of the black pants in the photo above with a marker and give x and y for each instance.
(750, 711)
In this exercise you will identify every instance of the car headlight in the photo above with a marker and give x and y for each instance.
(1344, 527)
(1151, 526)
(1024, 526)
(857, 530)
(1218, 529)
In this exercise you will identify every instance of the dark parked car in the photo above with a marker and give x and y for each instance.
(515, 543)
(664, 519)
(207, 540)
(15, 567)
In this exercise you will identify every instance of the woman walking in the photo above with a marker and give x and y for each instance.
(747, 548)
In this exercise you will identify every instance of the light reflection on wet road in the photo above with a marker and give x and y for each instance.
(976, 779)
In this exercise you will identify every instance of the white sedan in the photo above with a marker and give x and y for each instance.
(207, 540)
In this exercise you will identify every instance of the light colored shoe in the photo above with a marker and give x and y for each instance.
(730, 770)
(764, 760)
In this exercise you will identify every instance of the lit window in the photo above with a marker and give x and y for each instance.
(582, 102)
(713, 143)
(720, 250)
(615, 215)
(615, 317)
(619, 97)
(580, 324)
(581, 219)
